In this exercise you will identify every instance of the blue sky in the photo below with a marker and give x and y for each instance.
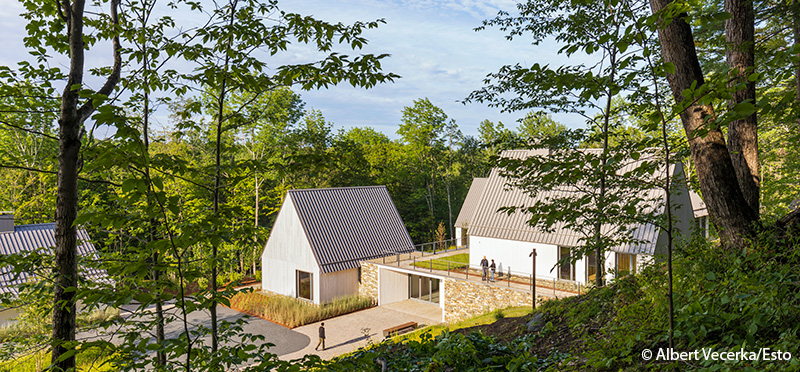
(433, 48)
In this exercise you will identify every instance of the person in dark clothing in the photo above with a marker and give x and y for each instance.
(321, 337)
(492, 267)
(485, 268)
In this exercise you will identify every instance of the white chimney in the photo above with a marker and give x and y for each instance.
(6, 222)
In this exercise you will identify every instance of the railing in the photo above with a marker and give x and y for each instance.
(438, 247)
(506, 277)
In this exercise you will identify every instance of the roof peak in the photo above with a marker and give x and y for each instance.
(339, 188)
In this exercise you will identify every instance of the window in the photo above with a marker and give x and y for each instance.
(626, 264)
(591, 267)
(423, 288)
(304, 289)
(464, 237)
(566, 269)
(702, 226)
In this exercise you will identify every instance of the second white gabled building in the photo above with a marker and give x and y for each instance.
(509, 239)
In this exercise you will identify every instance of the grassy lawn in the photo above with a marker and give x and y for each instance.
(491, 317)
(87, 360)
(292, 312)
(456, 261)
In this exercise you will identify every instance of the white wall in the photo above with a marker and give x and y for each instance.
(393, 286)
(338, 284)
(513, 254)
(288, 250)
(682, 214)
(459, 241)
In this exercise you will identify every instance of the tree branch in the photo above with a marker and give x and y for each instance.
(29, 130)
(86, 110)
(56, 173)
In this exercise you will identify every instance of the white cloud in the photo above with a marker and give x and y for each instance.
(432, 46)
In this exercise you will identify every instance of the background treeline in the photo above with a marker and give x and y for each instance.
(277, 144)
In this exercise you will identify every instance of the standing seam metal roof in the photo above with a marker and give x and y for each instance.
(346, 225)
(41, 238)
(486, 221)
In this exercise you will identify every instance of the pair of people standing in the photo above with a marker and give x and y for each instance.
(486, 267)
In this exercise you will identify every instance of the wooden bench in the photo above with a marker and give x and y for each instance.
(396, 330)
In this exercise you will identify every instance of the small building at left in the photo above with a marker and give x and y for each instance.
(41, 238)
(320, 237)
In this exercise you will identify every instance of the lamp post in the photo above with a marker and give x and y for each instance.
(533, 278)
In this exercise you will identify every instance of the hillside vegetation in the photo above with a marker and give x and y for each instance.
(725, 302)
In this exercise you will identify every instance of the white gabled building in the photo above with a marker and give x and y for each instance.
(321, 235)
(509, 239)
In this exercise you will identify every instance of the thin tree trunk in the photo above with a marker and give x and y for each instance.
(161, 357)
(743, 133)
(255, 222)
(450, 167)
(727, 206)
(71, 131)
(796, 31)
(217, 175)
(599, 251)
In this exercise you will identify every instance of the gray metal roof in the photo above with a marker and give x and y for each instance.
(349, 224)
(471, 202)
(486, 221)
(41, 238)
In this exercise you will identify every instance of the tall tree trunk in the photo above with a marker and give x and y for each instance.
(161, 357)
(796, 32)
(71, 131)
(217, 166)
(66, 261)
(599, 251)
(743, 133)
(727, 206)
(255, 220)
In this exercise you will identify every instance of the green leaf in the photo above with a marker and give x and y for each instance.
(669, 68)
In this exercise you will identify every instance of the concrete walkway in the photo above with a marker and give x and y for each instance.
(348, 332)
(345, 333)
(286, 340)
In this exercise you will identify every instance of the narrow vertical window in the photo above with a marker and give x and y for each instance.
(626, 264)
(304, 289)
(591, 267)
(567, 268)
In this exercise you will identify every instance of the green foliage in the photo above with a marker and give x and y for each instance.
(499, 314)
(293, 312)
(458, 352)
(93, 359)
(735, 300)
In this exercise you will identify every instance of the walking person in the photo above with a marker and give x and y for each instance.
(321, 337)
(492, 267)
(485, 268)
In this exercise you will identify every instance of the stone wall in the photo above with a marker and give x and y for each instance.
(465, 299)
(369, 280)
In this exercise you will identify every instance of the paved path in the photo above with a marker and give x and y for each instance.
(346, 333)
(286, 340)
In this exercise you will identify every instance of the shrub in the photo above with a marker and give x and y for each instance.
(294, 312)
(498, 314)
(235, 277)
